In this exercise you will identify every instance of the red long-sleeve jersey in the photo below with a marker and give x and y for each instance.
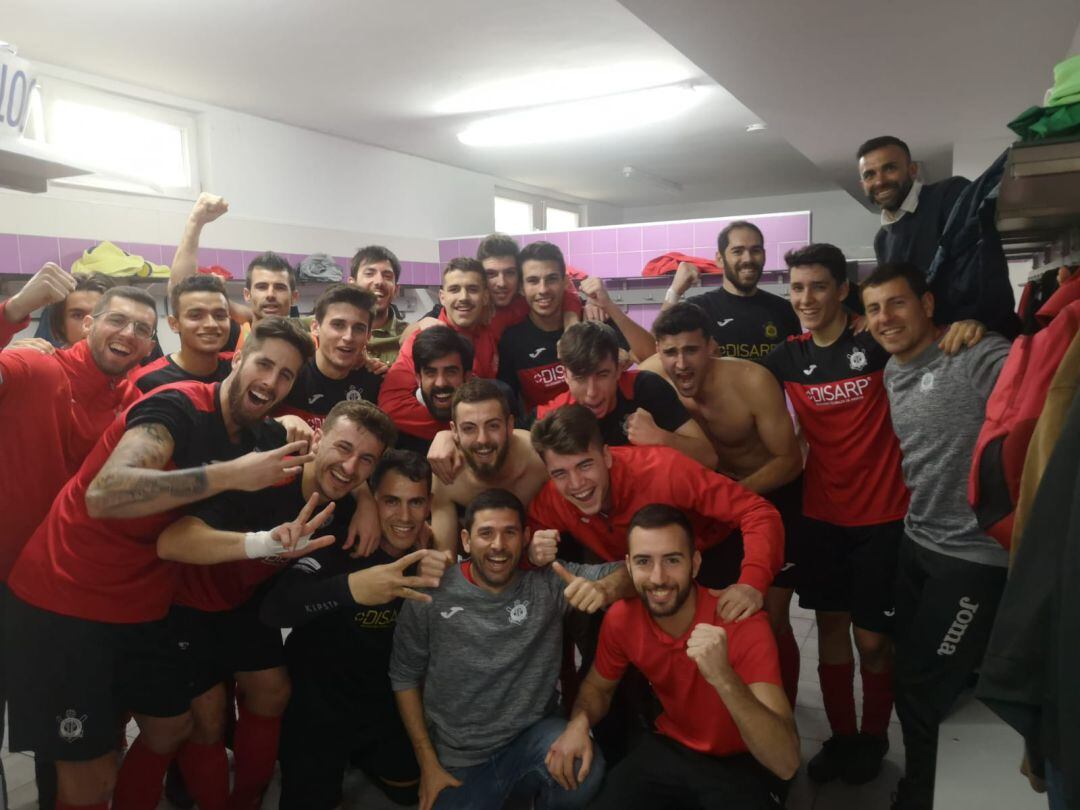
(715, 504)
(9, 330)
(53, 408)
(398, 393)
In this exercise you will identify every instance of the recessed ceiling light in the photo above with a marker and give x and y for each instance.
(757, 126)
(575, 120)
(553, 86)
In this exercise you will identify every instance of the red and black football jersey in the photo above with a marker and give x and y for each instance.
(228, 585)
(853, 475)
(530, 365)
(165, 370)
(108, 570)
(314, 394)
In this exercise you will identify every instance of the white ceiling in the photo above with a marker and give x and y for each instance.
(824, 75)
(376, 71)
(828, 75)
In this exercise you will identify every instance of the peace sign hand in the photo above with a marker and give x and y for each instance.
(384, 583)
(293, 539)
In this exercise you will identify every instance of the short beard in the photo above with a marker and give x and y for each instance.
(429, 400)
(487, 471)
(680, 599)
(235, 398)
(736, 282)
(100, 357)
(904, 190)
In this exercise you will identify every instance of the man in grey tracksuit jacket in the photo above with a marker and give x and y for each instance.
(950, 574)
(474, 670)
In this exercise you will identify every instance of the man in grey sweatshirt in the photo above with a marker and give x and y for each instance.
(950, 574)
(474, 670)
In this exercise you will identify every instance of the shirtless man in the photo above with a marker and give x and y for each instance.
(742, 411)
(487, 453)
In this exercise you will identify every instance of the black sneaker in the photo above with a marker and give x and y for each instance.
(907, 797)
(175, 790)
(831, 760)
(864, 758)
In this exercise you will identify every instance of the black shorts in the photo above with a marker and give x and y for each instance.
(851, 569)
(69, 680)
(215, 645)
(721, 565)
(323, 731)
(788, 502)
(661, 772)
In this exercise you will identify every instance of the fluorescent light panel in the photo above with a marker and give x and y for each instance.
(553, 86)
(586, 118)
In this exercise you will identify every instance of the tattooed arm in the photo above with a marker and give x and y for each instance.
(133, 483)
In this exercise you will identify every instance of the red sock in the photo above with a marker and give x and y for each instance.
(877, 701)
(838, 692)
(206, 773)
(789, 664)
(255, 746)
(99, 806)
(138, 785)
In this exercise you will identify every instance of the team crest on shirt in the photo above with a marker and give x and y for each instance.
(857, 360)
(354, 394)
(71, 726)
(771, 331)
(927, 381)
(519, 611)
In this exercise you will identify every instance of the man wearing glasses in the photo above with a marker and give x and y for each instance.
(54, 407)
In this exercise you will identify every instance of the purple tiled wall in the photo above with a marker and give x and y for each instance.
(622, 251)
(23, 254)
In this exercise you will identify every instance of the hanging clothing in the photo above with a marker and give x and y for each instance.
(216, 270)
(969, 275)
(1036, 293)
(1029, 674)
(320, 267)
(668, 263)
(1040, 123)
(1066, 88)
(1012, 411)
(1045, 436)
(110, 260)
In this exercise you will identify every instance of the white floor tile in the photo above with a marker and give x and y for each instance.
(23, 798)
(18, 770)
(802, 627)
(812, 723)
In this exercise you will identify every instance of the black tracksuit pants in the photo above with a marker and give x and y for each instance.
(945, 609)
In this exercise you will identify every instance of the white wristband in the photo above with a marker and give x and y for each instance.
(263, 544)
(671, 297)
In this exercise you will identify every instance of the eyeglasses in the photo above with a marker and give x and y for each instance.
(120, 322)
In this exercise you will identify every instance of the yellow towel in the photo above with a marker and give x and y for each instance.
(110, 260)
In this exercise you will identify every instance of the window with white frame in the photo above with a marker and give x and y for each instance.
(513, 216)
(561, 219)
(134, 146)
(520, 212)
